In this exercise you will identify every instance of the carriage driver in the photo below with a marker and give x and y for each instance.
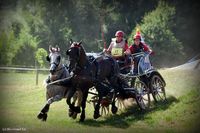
(118, 46)
(137, 47)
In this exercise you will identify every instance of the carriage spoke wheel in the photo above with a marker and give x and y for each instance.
(104, 106)
(104, 110)
(158, 89)
(142, 95)
(120, 103)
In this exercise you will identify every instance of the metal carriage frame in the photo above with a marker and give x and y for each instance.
(140, 92)
(149, 76)
(140, 87)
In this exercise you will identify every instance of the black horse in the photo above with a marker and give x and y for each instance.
(87, 74)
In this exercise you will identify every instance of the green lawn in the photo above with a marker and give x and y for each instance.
(21, 100)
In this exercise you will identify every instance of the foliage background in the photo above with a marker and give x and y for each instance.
(170, 27)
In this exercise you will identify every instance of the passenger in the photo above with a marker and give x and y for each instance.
(137, 47)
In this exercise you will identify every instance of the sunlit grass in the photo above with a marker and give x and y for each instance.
(180, 82)
(21, 100)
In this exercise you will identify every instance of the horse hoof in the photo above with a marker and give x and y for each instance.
(40, 116)
(81, 120)
(44, 117)
(70, 113)
(77, 109)
(74, 115)
(96, 116)
(114, 109)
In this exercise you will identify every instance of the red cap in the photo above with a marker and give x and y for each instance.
(119, 33)
(137, 36)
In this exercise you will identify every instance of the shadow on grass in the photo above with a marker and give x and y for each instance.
(130, 115)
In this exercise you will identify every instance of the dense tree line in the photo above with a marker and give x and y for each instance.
(27, 28)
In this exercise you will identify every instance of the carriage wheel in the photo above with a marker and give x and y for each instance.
(143, 95)
(104, 110)
(120, 103)
(104, 105)
(157, 88)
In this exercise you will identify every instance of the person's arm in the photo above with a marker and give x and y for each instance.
(129, 50)
(146, 48)
(108, 50)
(126, 48)
(110, 47)
(126, 45)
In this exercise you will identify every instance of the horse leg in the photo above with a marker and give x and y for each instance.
(43, 113)
(115, 85)
(71, 113)
(77, 99)
(119, 84)
(114, 108)
(99, 86)
(97, 107)
(83, 104)
(72, 108)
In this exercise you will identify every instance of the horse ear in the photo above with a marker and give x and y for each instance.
(50, 48)
(47, 58)
(80, 43)
(57, 48)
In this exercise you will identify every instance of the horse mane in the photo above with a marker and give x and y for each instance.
(78, 45)
(82, 54)
(83, 49)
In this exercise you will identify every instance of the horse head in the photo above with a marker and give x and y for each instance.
(76, 55)
(54, 58)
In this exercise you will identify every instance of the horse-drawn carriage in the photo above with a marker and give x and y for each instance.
(147, 75)
(112, 86)
(147, 81)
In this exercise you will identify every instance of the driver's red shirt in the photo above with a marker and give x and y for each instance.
(142, 47)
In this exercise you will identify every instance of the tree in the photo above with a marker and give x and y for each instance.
(6, 46)
(187, 26)
(40, 57)
(38, 24)
(157, 27)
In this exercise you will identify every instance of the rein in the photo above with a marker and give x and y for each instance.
(58, 81)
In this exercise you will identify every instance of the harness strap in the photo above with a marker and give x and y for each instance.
(115, 66)
(97, 69)
(63, 74)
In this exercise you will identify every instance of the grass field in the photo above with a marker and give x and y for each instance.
(21, 100)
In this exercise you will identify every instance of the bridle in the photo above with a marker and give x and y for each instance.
(75, 59)
(55, 63)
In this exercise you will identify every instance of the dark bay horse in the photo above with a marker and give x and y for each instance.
(88, 74)
(56, 92)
